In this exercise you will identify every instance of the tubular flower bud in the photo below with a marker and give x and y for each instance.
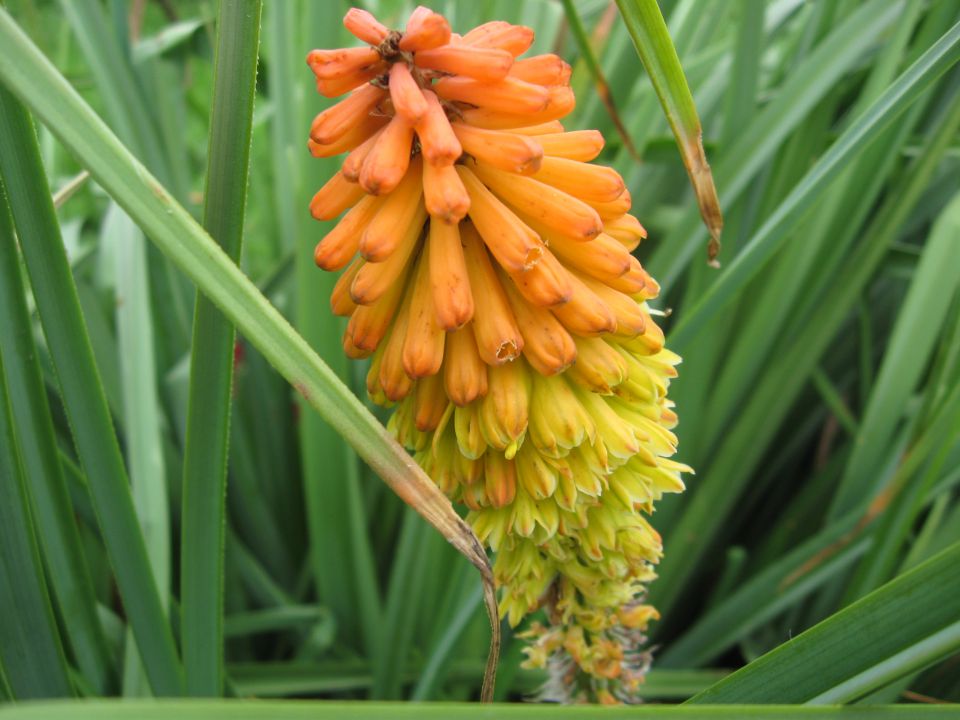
(487, 274)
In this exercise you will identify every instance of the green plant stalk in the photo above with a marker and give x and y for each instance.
(908, 626)
(82, 392)
(33, 427)
(897, 98)
(211, 360)
(31, 656)
(655, 47)
(30, 75)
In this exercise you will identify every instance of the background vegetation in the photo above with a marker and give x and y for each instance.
(819, 398)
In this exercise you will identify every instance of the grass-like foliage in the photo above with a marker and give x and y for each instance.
(192, 495)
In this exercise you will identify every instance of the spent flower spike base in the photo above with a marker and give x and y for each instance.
(487, 274)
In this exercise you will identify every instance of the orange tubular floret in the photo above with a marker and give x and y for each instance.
(602, 258)
(430, 404)
(628, 313)
(559, 104)
(547, 284)
(334, 197)
(515, 39)
(452, 297)
(551, 126)
(369, 323)
(388, 160)
(444, 194)
(353, 163)
(515, 246)
(339, 84)
(582, 145)
(497, 335)
(542, 70)
(507, 151)
(486, 64)
(546, 344)
(365, 26)
(351, 350)
(353, 138)
(425, 30)
(328, 64)
(509, 95)
(342, 243)
(406, 95)
(423, 346)
(587, 182)
(633, 282)
(334, 122)
(554, 208)
(393, 380)
(464, 372)
(437, 140)
(613, 209)
(626, 229)
(398, 211)
(375, 279)
(340, 301)
(499, 479)
(585, 313)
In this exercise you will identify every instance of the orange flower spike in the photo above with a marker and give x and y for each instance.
(425, 30)
(430, 403)
(353, 163)
(369, 323)
(342, 243)
(464, 372)
(552, 207)
(375, 279)
(626, 229)
(365, 26)
(582, 145)
(515, 39)
(582, 180)
(340, 301)
(334, 122)
(423, 346)
(328, 64)
(397, 212)
(546, 284)
(485, 64)
(560, 103)
(495, 329)
(515, 246)
(602, 258)
(546, 344)
(350, 140)
(334, 197)
(437, 140)
(504, 150)
(452, 298)
(585, 313)
(542, 70)
(408, 100)
(505, 96)
(388, 160)
(444, 194)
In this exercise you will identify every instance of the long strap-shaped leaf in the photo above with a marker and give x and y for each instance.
(652, 39)
(82, 392)
(900, 628)
(211, 361)
(30, 75)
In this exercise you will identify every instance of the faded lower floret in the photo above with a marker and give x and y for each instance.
(488, 275)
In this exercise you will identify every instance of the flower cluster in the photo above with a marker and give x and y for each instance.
(487, 273)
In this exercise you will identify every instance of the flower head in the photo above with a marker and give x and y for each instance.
(488, 274)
